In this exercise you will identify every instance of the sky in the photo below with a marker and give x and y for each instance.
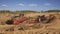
(36, 5)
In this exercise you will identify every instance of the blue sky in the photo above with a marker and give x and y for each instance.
(30, 5)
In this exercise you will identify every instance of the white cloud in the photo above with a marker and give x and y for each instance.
(33, 5)
(47, 4)
(21, 4)
(4, 5)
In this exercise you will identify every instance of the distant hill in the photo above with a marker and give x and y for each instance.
(52, 11)
(26, 11)
(23, 11)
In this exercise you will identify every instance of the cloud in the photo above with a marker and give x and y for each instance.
(4, 5)
(33, 5)
(47, 4)
(21, 4)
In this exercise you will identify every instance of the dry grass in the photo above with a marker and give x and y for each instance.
(26, 28)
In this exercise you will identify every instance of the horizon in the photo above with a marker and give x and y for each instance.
(30, 10)
(34, 5)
